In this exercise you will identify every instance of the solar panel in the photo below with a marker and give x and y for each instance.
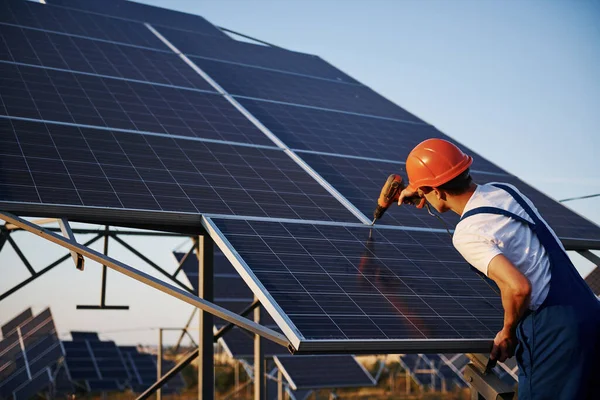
(142, 371)
(360, 182)
(144, 13)
(61, 20)
(10, 326)
(81, 335)
(593, 280)
(272, 85)
(29, 349)
(195, 45)
(311, 129)
(34, 47)
(313, 372)
(330, 290)
(72, 166)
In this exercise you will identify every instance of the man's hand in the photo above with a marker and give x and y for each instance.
(405, 194)
(504, 345)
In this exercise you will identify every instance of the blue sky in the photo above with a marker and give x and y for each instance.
(518, 82)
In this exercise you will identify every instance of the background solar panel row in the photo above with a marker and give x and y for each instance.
(195, 45)
(313, 372)
(142, 369)
(29, 347)
(335, 284)
(272, 85)
(305, 128)
(144, 13)
(55, 164)
(35, 15)
(52, 50)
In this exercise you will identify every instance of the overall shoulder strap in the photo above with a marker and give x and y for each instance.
(520, 200)
(498, 211)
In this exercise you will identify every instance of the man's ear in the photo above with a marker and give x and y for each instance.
(440, 194)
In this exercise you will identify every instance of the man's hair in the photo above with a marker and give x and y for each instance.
(456, 186)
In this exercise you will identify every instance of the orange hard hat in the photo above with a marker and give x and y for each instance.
(434, 162)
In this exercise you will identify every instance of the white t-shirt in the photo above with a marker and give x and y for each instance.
(481, 237)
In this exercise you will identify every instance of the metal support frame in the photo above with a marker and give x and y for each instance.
(147, 279)
(206, 368)
(166, 377)
(159, 362)
(591, 257)
(184, 331)
(102, 305)
(180, 266)
(485, 385)
(226, 328)
(67, 232)
(279, 385)
(260, 376)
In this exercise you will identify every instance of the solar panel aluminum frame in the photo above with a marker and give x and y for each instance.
(299, 345)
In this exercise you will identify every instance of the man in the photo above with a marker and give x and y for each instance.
(551, 317)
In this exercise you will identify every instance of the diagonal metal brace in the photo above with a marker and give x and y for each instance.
(65, 228)
(147, 279)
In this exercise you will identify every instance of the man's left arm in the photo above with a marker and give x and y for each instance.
(515, 291)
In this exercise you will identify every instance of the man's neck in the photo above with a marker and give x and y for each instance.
(459, 202)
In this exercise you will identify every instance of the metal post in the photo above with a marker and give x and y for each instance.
(104, 271)
(259, 365)
(184, 330)
(206, 373)
(237, 376)
(279, 385)
(407, 381)
(159, 358)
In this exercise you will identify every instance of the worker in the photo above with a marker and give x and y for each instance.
(551, 316)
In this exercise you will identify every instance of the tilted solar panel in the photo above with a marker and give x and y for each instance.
(305, 128)
(61, 20)
(360, 181)
(34, 47)
(330, 288)
(61, 166)
(272, 85)
(313, 372)
(195, 45)
(144, 13)
(10, 326)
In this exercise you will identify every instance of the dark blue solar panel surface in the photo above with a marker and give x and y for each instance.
(26, 353)
(360, 181)
(271, 85)
(54, 164)
(312, 372)
(35, 15)
(39, 93)
(82, 335)
(144, 13)
(40, 381)
(252, 54)
(92, 56)
(142, 370)
(333, 284)
(340, 133)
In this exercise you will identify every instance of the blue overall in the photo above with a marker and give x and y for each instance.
(558, 348)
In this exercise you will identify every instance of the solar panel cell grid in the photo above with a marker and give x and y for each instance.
(91, 56)
(30, 14)
(80, 166)
(362, 294)
(340, 133)
(270, 85)
(253, 54)
(11, 326)
(145, 13)
(36, 93)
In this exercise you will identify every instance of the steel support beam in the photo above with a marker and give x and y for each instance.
(260, 376)
(65, 228)
(159, 363)
(591, 257)
(180, 266)
(147, 279)
(279, 385)
(166, 377)
(43, 271)
(229, 326)
(206, 363)
(149, 262)
(21, 255)
(184, 330)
